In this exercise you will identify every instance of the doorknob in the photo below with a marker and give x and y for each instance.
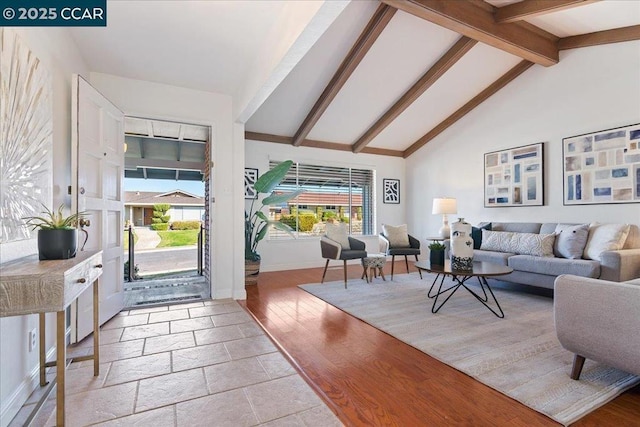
(81, 190)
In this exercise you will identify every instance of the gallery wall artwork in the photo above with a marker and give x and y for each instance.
(391, 191)
(25, 137)
(602, 167)
(250, 178)
(514, 177)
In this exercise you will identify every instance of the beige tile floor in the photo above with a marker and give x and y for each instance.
(200, 364)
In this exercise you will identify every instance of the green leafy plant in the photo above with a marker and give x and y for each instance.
(256, 223)
(437, 246)
(54, 220)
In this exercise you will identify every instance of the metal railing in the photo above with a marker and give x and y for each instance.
(131, 273)
(200, 249)
(132, 266)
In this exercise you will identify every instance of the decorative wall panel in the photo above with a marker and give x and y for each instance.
(25, 136)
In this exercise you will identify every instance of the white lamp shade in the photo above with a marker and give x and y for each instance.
(445, 206)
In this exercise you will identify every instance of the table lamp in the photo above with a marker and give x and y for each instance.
(444, 206)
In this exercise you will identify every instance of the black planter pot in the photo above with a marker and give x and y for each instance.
(436, 257)
(57, 244)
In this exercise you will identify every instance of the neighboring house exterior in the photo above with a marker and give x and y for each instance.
(138, 206)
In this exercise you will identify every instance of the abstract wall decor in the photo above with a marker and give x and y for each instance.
(391, 191)
(25, 137)
(250, 178)
(514, 177)
(602, 167)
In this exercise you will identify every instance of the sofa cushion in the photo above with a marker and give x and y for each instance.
(397, 235)
(476, 234)
(570, 240)
(490, 256)
(518, 243)
(549, 227)
(605, 237)
(338, 232)
(517, 227)
(555, 266)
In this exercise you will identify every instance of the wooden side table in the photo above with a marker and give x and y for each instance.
(29, 286)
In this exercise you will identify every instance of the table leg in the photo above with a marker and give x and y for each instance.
(96, 329)
(61, 361)
(436, 307)
(43, 350)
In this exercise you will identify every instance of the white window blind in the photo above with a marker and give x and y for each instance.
(331, 194)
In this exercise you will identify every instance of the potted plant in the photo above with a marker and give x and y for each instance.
(436, 253)
(57, 234)
(256, 223)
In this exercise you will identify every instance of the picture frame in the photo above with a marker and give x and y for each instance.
(514, 177)
(250, 178)
(602, 167)
(391, 191)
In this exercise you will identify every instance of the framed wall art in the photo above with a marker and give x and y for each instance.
(26, 137)
(602, 167)
(391, 191)
(250, 178)
(514, 177)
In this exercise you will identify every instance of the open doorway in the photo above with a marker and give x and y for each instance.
(166, 212)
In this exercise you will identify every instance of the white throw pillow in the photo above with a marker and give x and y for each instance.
(518, 243)
(338, 233)
(571, 240)
(397, 235)
(605, 237)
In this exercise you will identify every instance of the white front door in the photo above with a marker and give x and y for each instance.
(97, 152)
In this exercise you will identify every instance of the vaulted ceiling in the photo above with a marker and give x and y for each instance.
(389, 76)
(382, 77)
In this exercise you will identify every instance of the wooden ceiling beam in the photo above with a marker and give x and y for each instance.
(462, 46)
(279, 139)
(616, 35)
(466, 108)
(369, 35)
(477, 22)
(530, 8)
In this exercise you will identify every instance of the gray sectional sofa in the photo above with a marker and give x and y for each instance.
(541, 271)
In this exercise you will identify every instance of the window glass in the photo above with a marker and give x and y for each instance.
(331, 194)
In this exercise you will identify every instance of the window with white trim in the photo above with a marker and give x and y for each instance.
(331, 194)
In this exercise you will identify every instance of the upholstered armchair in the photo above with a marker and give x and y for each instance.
(396, 241)
(338, 246)
(599, 320)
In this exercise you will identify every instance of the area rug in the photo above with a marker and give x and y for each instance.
(519, 355)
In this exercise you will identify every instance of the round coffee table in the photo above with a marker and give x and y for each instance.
(481, 270)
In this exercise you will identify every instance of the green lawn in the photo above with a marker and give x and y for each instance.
(125, 239)
(178, 238)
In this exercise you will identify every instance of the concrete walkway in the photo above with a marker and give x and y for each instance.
(147, 238)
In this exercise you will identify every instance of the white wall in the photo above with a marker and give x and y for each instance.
(19, 367)
(591, 89)
(305, 253)
(159, 101)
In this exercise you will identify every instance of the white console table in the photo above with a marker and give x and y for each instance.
(29, 286)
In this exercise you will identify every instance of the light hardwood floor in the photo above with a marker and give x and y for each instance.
(370, 378)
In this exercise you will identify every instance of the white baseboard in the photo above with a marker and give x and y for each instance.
(11, 406)
(310, 264)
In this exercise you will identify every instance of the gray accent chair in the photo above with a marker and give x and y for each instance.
(333, 250)
(413, 249)
(599, 320)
